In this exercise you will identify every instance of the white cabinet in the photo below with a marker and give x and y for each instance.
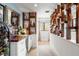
(18, 48)
(64, 47)
(32, 41)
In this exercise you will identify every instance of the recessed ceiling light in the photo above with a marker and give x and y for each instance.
(47, 11)
(35, 5)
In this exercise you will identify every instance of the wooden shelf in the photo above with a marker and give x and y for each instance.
(31, 22)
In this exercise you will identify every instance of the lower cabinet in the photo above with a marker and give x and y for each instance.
(32, 42)
(18, 48)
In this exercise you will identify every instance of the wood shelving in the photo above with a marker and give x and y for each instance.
(15, 18)
(15, 21)
(29, 22)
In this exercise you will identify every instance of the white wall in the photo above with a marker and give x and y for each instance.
(63, 47)
(44, 35)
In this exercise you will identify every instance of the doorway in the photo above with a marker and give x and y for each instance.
(43, 32)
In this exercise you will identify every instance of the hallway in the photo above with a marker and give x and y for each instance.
(39, 29)
(43, 49)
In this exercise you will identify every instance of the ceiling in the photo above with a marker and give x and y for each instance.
(40, 9)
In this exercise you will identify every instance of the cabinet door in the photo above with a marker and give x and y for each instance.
(21, 47)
